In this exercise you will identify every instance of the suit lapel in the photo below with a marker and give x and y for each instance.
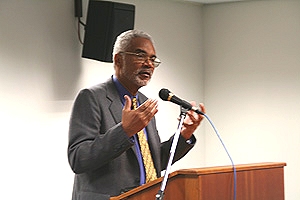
(115, 106)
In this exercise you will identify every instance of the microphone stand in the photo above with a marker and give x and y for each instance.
(160, 194)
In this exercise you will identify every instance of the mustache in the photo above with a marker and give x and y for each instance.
(144, 70)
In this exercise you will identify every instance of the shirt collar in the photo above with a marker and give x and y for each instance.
(122, 90)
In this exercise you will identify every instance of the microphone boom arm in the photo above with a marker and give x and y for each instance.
(160, 194)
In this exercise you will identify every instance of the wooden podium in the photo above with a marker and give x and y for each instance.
(261, 181)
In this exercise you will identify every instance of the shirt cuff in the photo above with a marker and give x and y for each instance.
(191, 141)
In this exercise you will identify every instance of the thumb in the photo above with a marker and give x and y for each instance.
(127, 105)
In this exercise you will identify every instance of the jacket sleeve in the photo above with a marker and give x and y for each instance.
(93, 143)
(182, 148)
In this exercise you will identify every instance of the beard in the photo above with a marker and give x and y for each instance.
(140, 77)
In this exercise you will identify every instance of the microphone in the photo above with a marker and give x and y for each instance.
(166, 95)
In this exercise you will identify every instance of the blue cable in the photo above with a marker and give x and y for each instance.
(234, 169)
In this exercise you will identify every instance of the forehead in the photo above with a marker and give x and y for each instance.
(143, 44)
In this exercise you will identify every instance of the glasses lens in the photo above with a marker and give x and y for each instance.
(141, 56)
(156, 62)
(144, 57)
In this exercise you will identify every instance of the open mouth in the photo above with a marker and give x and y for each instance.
(145, 74)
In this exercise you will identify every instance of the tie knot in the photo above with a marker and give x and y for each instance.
(134, 103)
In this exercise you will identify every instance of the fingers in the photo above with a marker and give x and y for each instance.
(192, 121)
(127, 105)
(194, 118)
(147, 110)
(201, 105)
(135, 120)
(149, 106)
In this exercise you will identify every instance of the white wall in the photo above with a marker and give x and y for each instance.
(41, 71)
(252, 84)
(39, 65)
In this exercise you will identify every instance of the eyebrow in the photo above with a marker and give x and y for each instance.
(140, 51)
(143, 51)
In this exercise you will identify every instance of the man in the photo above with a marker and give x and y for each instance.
(104, 149)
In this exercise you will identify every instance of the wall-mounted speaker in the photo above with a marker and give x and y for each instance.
(105, 21)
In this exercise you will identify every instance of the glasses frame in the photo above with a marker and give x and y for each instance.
(143, 57)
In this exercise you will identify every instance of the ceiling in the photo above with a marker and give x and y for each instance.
(212, 1)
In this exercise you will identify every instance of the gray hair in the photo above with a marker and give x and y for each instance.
(124, 39)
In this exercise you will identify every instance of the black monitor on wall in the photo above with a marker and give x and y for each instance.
(105, 21)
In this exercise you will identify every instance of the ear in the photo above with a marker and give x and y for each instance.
(118, 60)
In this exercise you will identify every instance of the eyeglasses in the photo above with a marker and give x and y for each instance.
(143, 57)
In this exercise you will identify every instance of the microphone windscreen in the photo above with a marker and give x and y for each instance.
(164, 94)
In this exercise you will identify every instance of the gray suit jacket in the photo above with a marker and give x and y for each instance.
(100, 153)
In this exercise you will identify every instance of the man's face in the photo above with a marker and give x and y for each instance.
(134, 72)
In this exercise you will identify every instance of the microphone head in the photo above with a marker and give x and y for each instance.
(164, 94)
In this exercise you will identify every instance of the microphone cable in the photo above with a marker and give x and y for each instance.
(232, 163)
(166, 95)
